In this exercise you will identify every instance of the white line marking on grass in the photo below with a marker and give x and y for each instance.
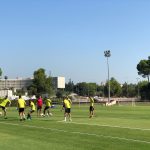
(81, 133)
(142, 129)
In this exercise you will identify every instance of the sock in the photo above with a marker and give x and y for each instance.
(65, 118)
(24, 116)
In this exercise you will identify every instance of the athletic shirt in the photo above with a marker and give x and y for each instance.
(5, 101)
(32, 106)
(48, 102)
(39, 102)
(91, 102)
(21, 103)
(67, 103)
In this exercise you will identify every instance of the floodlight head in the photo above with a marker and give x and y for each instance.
(107, 53)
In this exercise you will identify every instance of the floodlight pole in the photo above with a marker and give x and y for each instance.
(108, 54)
(5, 77)
(138, 87)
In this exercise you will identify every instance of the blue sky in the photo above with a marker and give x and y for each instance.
(68, 38)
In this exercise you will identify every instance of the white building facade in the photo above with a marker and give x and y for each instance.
(20, 83)
(58, 82)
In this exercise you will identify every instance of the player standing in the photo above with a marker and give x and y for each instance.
(21, 107)
(67, 104)
(91, 109)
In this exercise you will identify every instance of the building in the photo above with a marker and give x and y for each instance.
(58, 82)
(20, 83)
(3, 93)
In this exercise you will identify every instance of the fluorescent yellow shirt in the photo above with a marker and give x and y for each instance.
(48, 102)
(32, 106)
(4, 102)
(21, 103)
(67, 103)
(91, 101)
(70, 101)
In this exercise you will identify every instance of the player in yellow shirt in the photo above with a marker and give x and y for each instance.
(48, 104)
(91, 109)
(21, 107)
(67, 103)
(3, 105)
(32, 105)
(69, 100)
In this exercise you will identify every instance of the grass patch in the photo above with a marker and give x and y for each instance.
(117, 127)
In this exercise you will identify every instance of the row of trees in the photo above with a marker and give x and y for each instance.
(116, 89)
(42, 84)
(142, 89)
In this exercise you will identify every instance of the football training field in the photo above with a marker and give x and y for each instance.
(112, 128)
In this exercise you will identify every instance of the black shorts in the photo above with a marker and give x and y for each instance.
(3, 108)
(91, 108)
(47, 107)
(67, 110)
(21, 110)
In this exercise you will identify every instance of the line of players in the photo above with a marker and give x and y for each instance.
(21, 105)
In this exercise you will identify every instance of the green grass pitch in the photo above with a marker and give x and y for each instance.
(112, 128)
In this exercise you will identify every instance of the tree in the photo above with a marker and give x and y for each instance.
(115, 88)
(125, 89)
(144, 87)
(132, 90)
(100, 90)
(129, 90)
(41, 83)
(144, 68)
(69, 87)
(92, 89)
(61, 93)
(85, 89)
(82, 89)
(1, 72)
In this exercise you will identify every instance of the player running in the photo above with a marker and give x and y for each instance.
(47, 108)
(4, 104)
(32, 105)
(39, 106)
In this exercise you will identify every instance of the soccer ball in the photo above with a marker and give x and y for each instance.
(42, 115)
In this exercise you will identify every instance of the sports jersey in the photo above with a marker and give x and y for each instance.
(4, 102)
(70, 101)
(39, 102)
(91, 101)
(32, 106)
(67, 104)
(21, 103)
(48, 102)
